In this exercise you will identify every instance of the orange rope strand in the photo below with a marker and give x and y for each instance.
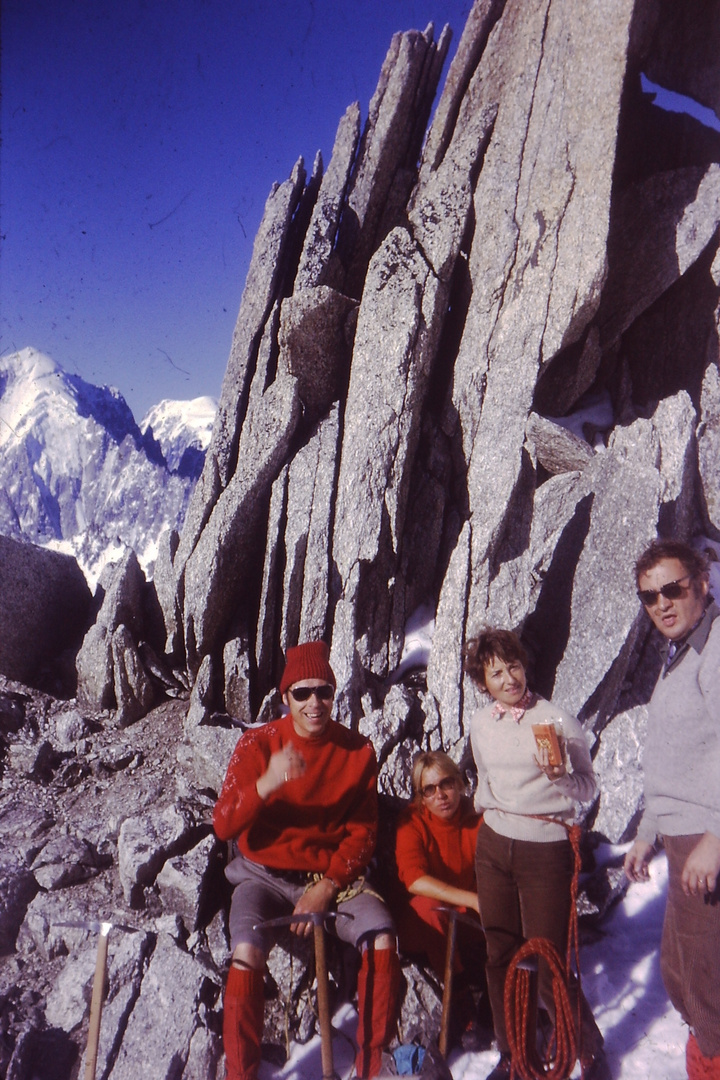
(564, 1049)
(526, 1061)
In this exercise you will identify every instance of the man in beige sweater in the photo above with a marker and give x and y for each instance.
(681, 763)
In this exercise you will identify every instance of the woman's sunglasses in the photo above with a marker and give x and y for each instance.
(446, 784)
(304, 693)
(672, 591)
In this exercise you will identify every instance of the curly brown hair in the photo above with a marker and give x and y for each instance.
(489, 643)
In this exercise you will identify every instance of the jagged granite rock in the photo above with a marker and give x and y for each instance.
(258, 297)
(165, 584)
(173, 986)
(388, 150)
(444, 673)
(215, 574)
(619, 762)
(266, 658)
(403, 301)
(202, 695)
(315, 343)
(538, 266)
(208, 755)
(322, 230)
(555, 448)
(660, 227)
(182, 880)
(122, 605)
(709, 428)
(307, 537)
(134, 692)
(145, 843)
(237, 681)
(709, 444)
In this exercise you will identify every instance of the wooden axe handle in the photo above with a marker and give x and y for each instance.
(447, 990)
(323, 998)
(96, 1002)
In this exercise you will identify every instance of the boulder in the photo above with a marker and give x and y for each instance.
(182, 881)
(236, 671)
(17, 888)
(134, 690)
(173, 985)
(555, 448)
(100, 685)
(315, 344)
(145, 843)
(202, 696)
(65, 861)
(45, 611)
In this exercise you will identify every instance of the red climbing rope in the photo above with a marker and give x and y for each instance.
(563, 1050)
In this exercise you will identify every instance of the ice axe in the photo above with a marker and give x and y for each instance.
(98, 988)
(453, 917)
(318, 919)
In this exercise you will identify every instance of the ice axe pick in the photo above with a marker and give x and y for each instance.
(98, 987)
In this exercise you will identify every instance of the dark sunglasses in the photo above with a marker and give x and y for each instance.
(446, 784)
(672, 591)
(304, 693)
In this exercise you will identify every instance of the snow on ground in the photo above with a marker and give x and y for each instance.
(644, 1036)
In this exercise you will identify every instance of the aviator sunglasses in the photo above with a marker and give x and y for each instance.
(304, 693)
(672, 591)
(446, 784)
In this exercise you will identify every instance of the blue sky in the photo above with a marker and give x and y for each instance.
(140, 141)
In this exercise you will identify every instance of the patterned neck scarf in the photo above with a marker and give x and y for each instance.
(518, 711)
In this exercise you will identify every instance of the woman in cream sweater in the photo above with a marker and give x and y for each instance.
(524, 861)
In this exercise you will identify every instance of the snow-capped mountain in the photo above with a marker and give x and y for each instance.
(183, 430)
(78, 474)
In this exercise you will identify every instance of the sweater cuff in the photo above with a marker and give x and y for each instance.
(647, 829)
(340, 873)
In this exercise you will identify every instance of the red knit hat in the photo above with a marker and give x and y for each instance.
(308, 661)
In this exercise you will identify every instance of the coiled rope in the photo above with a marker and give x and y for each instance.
(564, 1048)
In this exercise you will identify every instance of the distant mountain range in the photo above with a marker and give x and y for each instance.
(77, 472)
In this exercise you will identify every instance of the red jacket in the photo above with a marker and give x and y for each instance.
(428, 846)
(325, 821)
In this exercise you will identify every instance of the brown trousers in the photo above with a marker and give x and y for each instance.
(524, 892)
(690, 951)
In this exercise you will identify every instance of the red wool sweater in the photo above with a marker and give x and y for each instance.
(325, 821)
(428, 846)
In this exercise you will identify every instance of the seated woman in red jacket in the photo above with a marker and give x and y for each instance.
(435, 852)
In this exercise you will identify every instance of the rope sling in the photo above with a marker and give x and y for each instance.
(563, 1049)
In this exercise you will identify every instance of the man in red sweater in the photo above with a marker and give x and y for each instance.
(299, 802)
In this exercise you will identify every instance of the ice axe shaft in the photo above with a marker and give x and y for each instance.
(323, 998)
(96, 1002)
(448, 984)
(454, 916)
(317, 918)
